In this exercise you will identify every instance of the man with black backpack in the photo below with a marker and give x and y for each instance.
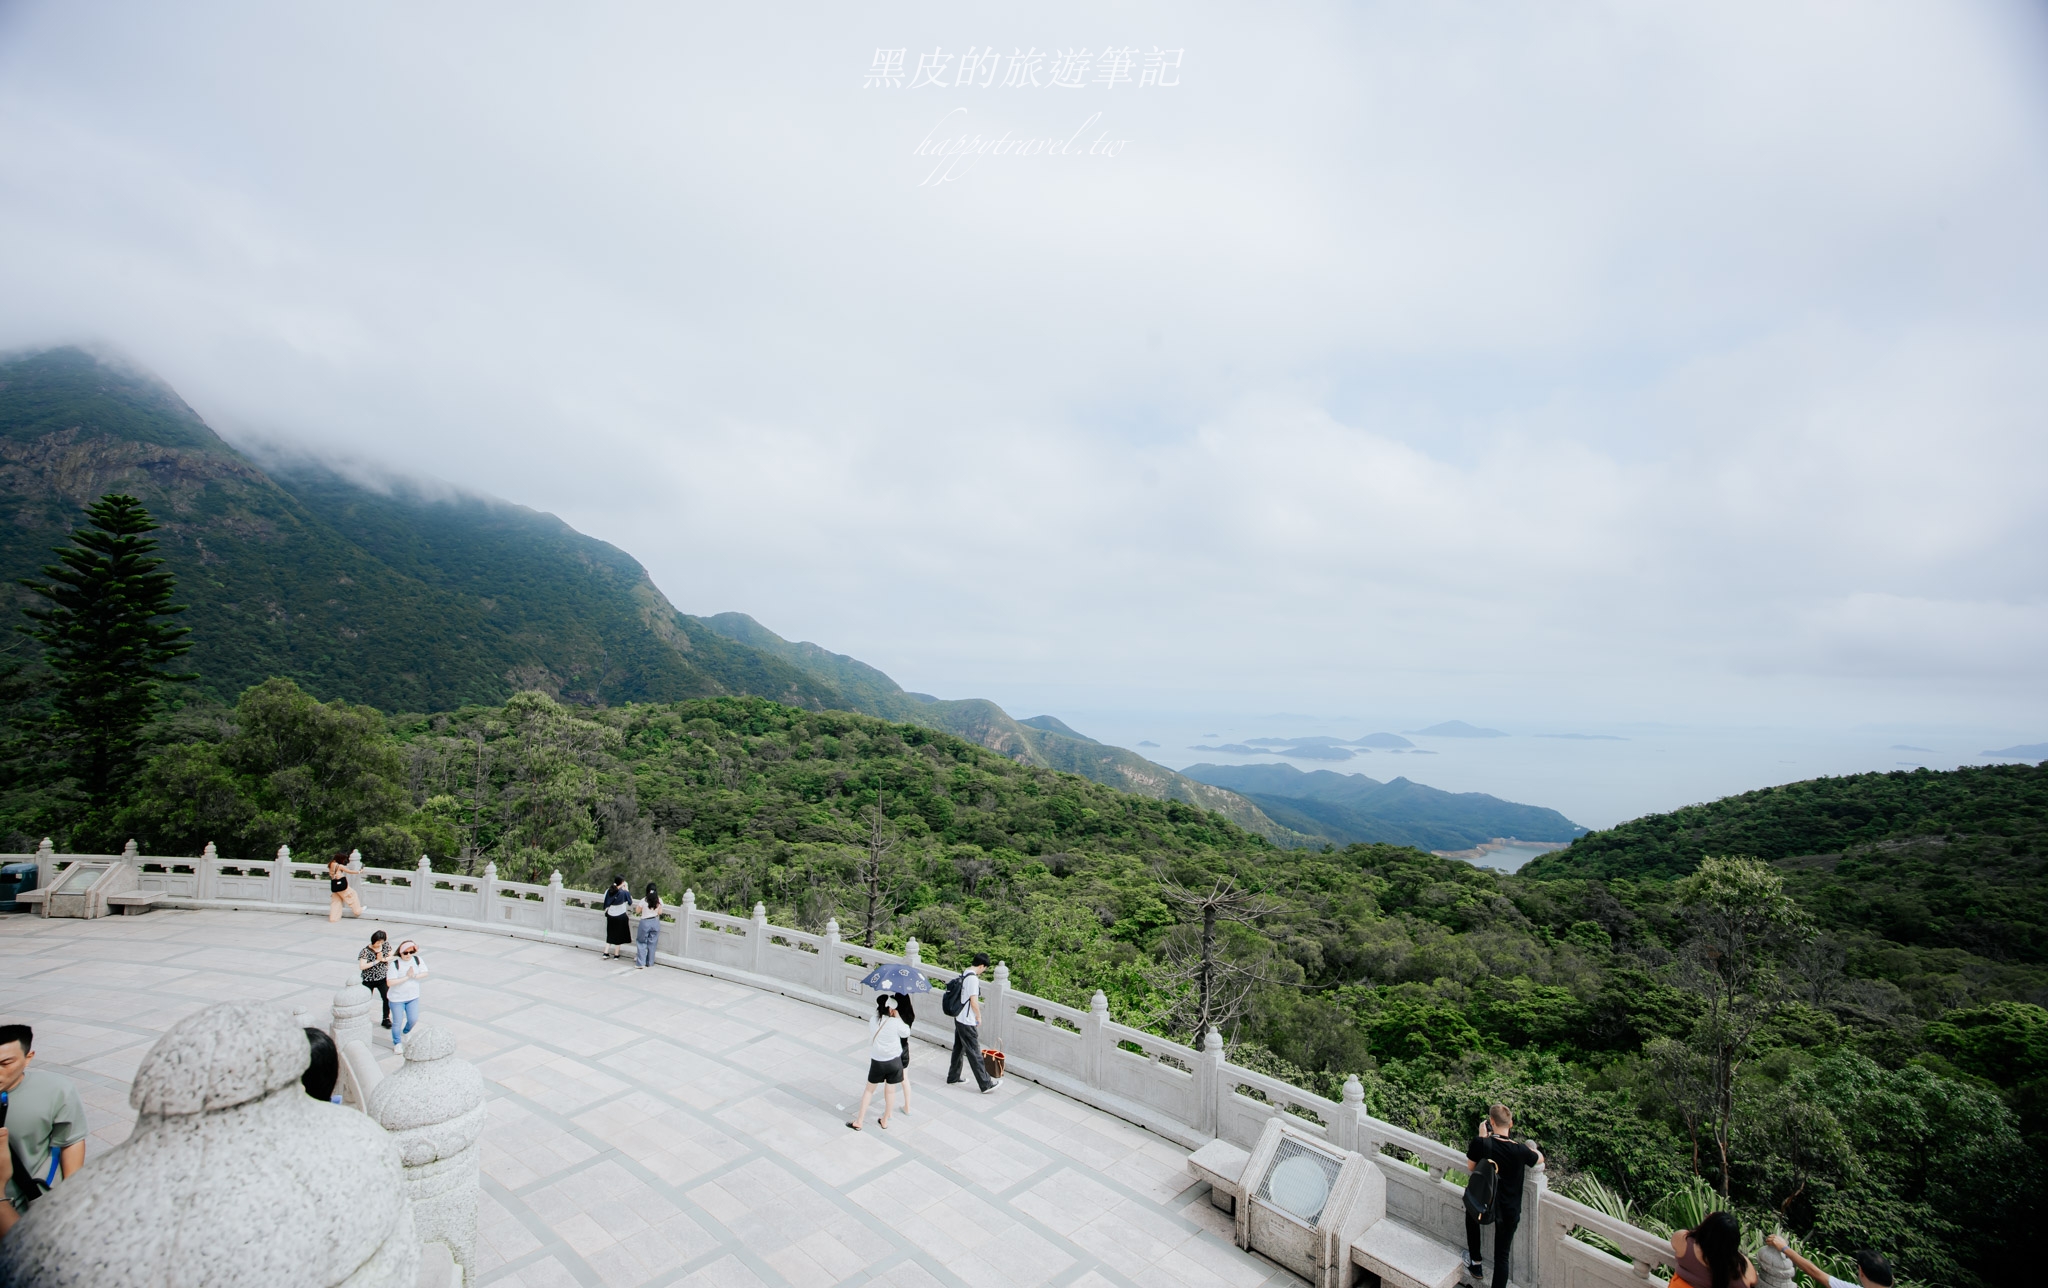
(962, 1001)
(43, 1118)
(1493, 1193)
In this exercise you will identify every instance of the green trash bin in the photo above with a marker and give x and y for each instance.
(15, 878)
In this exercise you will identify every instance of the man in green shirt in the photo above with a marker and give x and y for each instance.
(45, 1122)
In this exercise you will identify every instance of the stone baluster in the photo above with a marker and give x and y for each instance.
(129, 852)
(487, 894)
(1534, 1256)
(281, 875)
(1095, 1037)
(355, 1008)
(686, 931)
(46, 864)
(230, 1178)
(207, 872)
(1209, 1088)
(434, 1109)
(1773, 1268)
(423, 888)
(757, 935)
(829, 954)
(1344, 1132)
(554, 904)
(995, 1006)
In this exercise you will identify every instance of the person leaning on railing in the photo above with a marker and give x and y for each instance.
(1512, 1159)
(1710, 1255)
(1872, 1270)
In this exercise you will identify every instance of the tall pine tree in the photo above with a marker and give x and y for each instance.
(106, 638)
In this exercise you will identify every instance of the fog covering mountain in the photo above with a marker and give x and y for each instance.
(412, 598)
(1345, 809)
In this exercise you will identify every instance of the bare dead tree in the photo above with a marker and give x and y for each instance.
(472, 845)
(1221, 988)
(870, 874)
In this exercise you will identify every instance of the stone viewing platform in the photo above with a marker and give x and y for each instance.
(664, 1127)
(563, 1118)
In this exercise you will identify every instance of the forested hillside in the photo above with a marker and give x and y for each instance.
(1873, 1096)
(412, 599)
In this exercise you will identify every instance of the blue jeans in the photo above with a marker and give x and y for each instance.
(404, 1016)
(646, 940)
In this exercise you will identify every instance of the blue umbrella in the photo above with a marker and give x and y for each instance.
(897, 977)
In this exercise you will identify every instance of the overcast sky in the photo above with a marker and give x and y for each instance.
(1562, 361)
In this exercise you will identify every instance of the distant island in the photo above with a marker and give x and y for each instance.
(2025, 751)
(1585, 737)
(1458, 729)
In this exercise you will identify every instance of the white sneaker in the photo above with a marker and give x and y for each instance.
(398, 1050)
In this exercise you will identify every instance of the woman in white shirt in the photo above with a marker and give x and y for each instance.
(886, 1036)
(402, 979)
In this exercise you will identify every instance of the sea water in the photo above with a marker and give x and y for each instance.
(1605, 776)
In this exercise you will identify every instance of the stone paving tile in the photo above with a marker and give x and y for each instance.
(675, 1147)
(520, 1147)
(726, 1272)
(577, 1032)
(501, 1236)
(548, 1273)
(621, 1226)
(562, 1082)
(694, 1079)
(662, 1127)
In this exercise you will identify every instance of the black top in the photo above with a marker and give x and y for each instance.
(616, 896)
(1512, 1158)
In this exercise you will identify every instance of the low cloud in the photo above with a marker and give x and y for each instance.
(1604, 358)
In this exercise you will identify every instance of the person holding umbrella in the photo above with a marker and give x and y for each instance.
(900, 980)
(885, 1063)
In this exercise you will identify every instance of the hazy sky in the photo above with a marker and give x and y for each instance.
(1562, 361)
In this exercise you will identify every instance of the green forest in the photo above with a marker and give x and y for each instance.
(1819, 1005)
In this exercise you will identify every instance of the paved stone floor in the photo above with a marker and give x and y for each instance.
(662, 1127)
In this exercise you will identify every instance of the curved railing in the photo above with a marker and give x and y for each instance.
(1188, 1096)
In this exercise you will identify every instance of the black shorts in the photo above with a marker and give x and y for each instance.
(885, 1071)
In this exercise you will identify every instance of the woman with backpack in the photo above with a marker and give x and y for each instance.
(403, 978)
(886, 1036)
(1710, 1255)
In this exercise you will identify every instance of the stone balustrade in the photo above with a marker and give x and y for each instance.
(1185, 1095)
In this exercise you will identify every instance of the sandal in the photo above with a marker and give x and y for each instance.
(853, 1126)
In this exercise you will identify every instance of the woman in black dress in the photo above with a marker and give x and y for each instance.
(618, 921)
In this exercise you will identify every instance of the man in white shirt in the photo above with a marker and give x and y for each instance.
(967, 1028)
(1872, 1270)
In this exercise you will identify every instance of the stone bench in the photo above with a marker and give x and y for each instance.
(132, 902)
(1404, 1257)
(31, 898)
(1222, 1165)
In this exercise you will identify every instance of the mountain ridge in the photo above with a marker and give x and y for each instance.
(411, 597)
(1345, 809)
